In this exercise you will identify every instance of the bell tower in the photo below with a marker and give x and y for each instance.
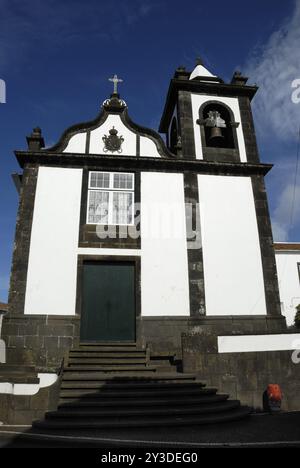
(207, 119)
(209, 126)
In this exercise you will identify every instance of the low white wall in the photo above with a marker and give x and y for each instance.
(289, 282)
(256, 343)
(52, 266)
(164, 266)
(233, 275)
(46, 379)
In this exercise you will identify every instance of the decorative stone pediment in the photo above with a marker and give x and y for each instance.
(112, 132)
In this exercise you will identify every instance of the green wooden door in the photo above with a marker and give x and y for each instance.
(108, 302)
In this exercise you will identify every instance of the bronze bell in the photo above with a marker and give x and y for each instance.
(215, 133)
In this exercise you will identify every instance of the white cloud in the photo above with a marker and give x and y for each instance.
(274, 67)
(287, 213)
(280, 233)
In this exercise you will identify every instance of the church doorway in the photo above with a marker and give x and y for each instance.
(108, 302)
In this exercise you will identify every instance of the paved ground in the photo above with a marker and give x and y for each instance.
(258, 430)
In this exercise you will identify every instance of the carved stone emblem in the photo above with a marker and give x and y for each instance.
(113, 142)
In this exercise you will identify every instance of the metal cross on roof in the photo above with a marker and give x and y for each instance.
(115, 81)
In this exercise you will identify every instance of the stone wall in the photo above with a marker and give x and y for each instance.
(39, 340)
(23, 409)
(244, 376)
(164, 333)
(2, 344)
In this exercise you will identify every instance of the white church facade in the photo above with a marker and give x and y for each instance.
(123, 238)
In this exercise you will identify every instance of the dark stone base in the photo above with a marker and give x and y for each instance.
(43, 341)
(39, 340)
(164, 333)
(23, 409)
(244, 376)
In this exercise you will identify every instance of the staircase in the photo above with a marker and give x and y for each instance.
(115, 385)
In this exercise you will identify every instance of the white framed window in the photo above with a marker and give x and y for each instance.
(110, 198)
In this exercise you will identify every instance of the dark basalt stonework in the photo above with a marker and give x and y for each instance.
(164, 333)
(248, 129)
(266, 246)
(186, 125)
(23, 409)
(22, 241)
(195, 256)
(39, 340)
(244, 376)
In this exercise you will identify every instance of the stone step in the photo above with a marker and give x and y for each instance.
(162, 354)
(157, 421)
(107, 349)
(163, 369)
(107, 354)
(168, 400)
(153, 393)
(110, 347)
(129, 376)
(161, 362)
(103, 361)
(110, 343)
(83, 413)
(83, 369)
(144, 384)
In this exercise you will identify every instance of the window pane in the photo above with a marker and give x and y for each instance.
(123, 181)
(122, 207)
(99, 180)
(98, 207)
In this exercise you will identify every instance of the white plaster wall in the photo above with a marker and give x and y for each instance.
(76, 143)
(148, 147)
(52, 266)
(233, 103)
(289, 282)
(97, 145)
(233, 275)
(164, 266)
(257, 343)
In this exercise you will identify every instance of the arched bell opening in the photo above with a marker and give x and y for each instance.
(218, 129)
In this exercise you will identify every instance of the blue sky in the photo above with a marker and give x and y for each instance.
(56, 58)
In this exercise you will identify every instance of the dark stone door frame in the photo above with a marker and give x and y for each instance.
(136, 260)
